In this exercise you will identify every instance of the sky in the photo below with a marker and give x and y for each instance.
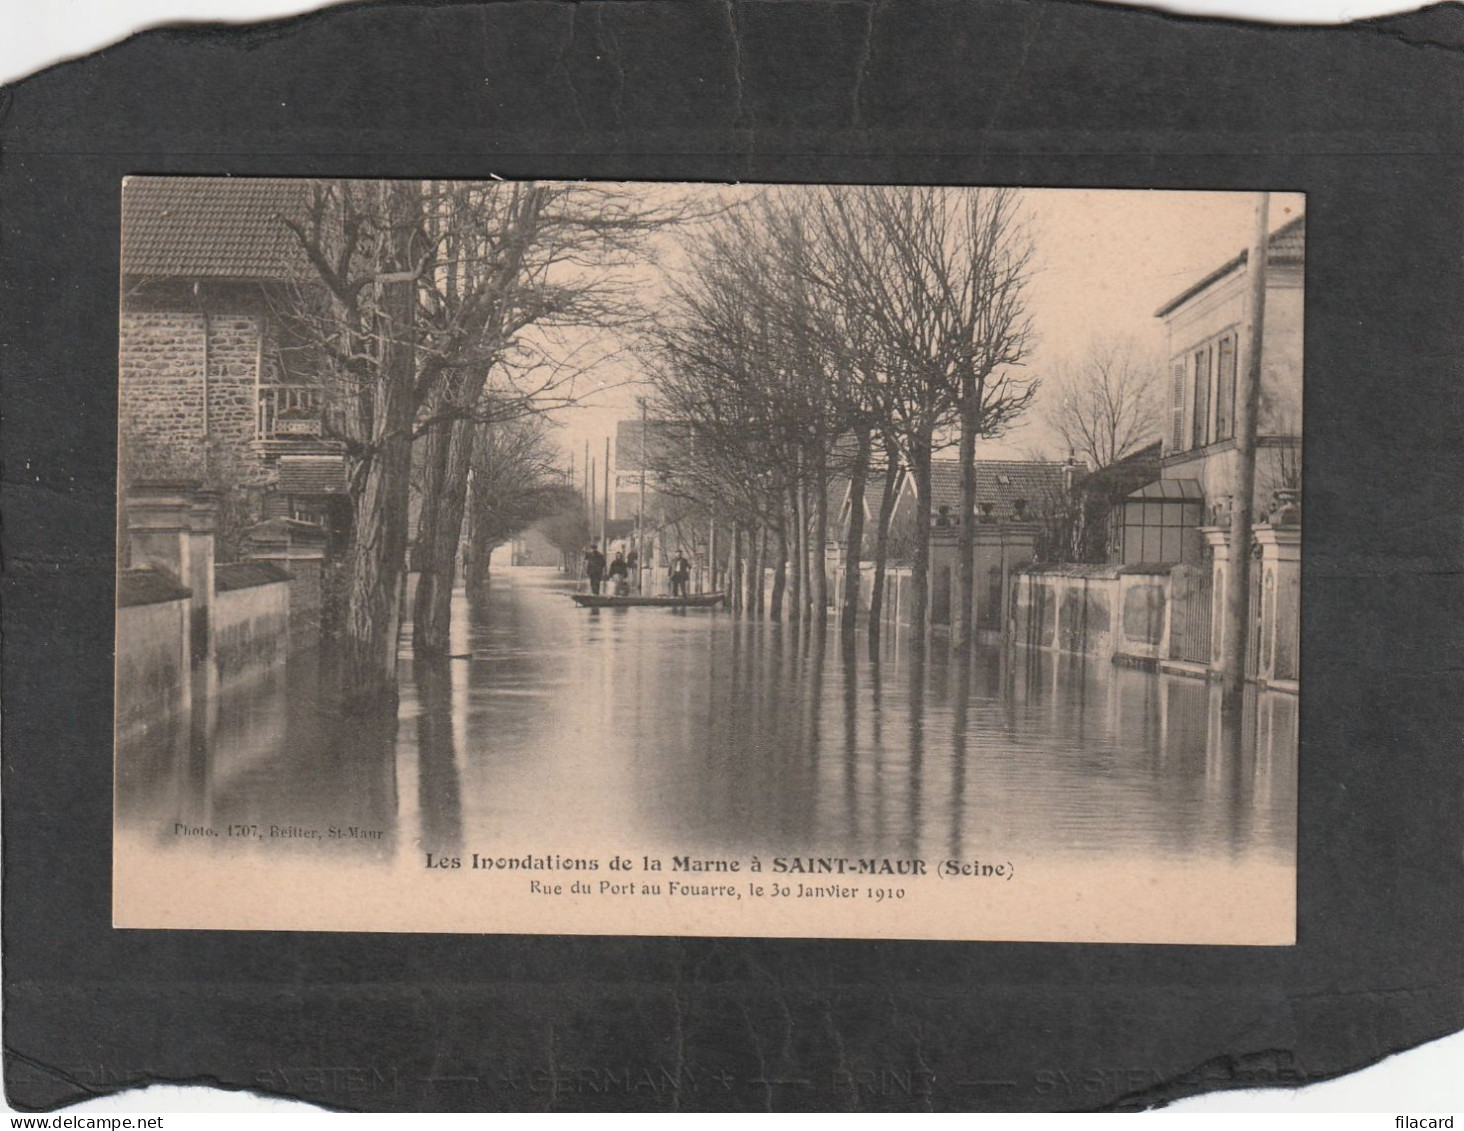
(1106, 260)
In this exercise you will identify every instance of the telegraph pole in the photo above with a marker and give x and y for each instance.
(640, 514)
(605, 509)
(1237, 580)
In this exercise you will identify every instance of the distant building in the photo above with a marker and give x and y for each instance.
(1006, 491)
(641, 448)
(212, 386)
(1011, 496)
(1161, 520)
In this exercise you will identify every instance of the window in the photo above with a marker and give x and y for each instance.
(1176, 405)
(1159, 523)
(1225, 390)
(1201, 428)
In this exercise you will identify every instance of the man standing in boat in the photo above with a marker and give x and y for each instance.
(620, 574)
(594, 567)
(680, 574)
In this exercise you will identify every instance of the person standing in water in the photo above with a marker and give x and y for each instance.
(620, 574)
(680, 574)
(594, 567)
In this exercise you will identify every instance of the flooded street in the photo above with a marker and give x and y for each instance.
(560, 730)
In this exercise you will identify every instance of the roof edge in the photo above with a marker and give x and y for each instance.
(1225, 269)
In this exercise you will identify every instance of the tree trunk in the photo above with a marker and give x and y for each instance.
(438, 540)
(753, 583)
(854, 536)
(795, 558)
(882, 537)
(479, 550)
(381, 489)
(920, 571)
(734, 571)
(964, 610)
(780, 573)
(819, 556)
(805, 556)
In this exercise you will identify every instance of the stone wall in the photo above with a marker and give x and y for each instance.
(152, 662)
(161, 385)
(1112, 613)
(233, 366)
(162, 391)
(251, 623)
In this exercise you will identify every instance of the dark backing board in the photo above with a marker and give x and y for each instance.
(1365, 119)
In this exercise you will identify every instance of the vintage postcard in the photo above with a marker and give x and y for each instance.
(811, 561)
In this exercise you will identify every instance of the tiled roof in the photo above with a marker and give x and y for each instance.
(1000, 482)
(312, 475)
(246, 575)
(286, 529)
(211, 227)
(1134, 470)
(148, 585)
(1286, 245)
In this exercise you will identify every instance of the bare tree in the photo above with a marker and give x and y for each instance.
(936, 277)
(358, 317)
(515, 482)
(1106, 405)
(525, 263)
(420, 304)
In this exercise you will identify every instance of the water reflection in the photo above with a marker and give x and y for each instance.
(562, 728)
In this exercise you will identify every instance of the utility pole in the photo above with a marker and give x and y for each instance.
(1237, 579)
(605, 508)
(640, 514)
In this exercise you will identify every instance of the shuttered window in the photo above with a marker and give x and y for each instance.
(1225, 392)
(1202, 398)
(1176, 402)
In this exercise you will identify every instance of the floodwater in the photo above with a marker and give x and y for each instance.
(560, 729)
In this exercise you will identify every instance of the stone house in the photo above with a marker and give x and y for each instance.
(1162, 520)
(212, 387)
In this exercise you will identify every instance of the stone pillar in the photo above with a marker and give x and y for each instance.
(1280, 601)
(158, 527)
(1018, 542)
(170, 526)
(203, 510)
(1218, 539)
(298, 548)
(944, 548)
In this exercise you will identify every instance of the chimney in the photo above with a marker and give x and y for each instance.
(1073, 472)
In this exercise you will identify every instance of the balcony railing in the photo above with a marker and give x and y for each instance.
(288, 412)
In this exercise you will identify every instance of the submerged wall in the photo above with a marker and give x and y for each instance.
(251, 619)
(1115, 613)
(152, 665)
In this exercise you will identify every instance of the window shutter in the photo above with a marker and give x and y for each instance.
(1202, 398)
(1225, 410)
(1176, 403)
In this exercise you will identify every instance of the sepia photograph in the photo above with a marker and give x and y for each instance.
(750, 560)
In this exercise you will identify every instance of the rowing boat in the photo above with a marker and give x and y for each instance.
(609, 601)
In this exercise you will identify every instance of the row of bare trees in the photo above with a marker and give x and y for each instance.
(443, 316)
(841, 333)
